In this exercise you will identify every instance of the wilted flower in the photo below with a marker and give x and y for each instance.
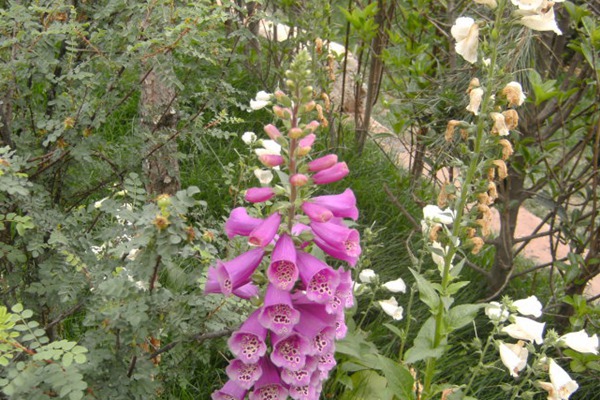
(529, 306)
(466, 33)
(502, 168)
(513, 356)
(367, 276)
(499, 127)
(511, 118)
(513, 91)
(249, 137)
(581, 342)
(542, 21)
(475, 97)
(526, 329)
(561, 386)
(395, 286)
(391, 308)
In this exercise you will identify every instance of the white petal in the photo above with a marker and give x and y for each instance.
(496, 312)
(272, 146)
(475, 97)
(367, 276)
(264, 176)
(396, 286)
(527, 5)
(436, 214)
(461, 27)
(258, 104)
(263, 96)
(541, 22)
(249, 137)
(581, 342)
(562, 382)
(526, 329)
(467, 47)
(529, 306)
(514, 357)
(391, 308)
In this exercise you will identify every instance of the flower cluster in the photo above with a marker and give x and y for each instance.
(286, 347)
(389, 306)
(528, 332)
(537, 15)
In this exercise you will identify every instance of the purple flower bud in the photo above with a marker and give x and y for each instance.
(277, 313)
(331, 174)
(312, 125)
(316, 212)
(305, 145)
(271, 160)
(264, 233)
(259, 195)
(342, 205)
(272, 132)
(248, 343)
(298, 180)
(269, 386)
(240, 223)
(243, 374)
(290, 351)
(233, 274)
(231, 391)
(282, 271)
(322, 163)
(319, 278)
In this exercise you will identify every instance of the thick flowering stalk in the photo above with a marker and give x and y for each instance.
(286, 347)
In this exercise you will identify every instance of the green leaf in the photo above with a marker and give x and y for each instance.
(67, 359)
(427, 293)
(400, 380)
(17, 308)
(80, 358)
(423, 345)
(395, 330)
(462, 315)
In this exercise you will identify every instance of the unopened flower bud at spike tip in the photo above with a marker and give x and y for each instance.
(295, 133)
(305, 144)
(298, 180)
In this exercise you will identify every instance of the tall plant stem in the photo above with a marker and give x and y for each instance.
(440, 313)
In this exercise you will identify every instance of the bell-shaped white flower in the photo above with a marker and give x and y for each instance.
(269, 147)
(391, 308)
(367, 276)
(542, 21)
(395, 286)
(249, 137)
(499, 127)
(475, 98)
(581, 342)
(561, 386)
(496, 312)
(466, 33)
(526, 329)
(433, 213)
(513, 356)
(261, 100)
(264, 176)
(529, 306)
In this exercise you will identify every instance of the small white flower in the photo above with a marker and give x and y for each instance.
(525, 329)
(264, 176)
(513, 356)
(475, 97)
(561, 386)
(486, 62)
(395, 286)
(261, 100)
(263, 96)
(529, 306)
(581, 342)
(367, 276)
(496, 312)
(391, 308)
(249, 137)
(269, 147)
(433, 213)
(466, 33)
(98, 203)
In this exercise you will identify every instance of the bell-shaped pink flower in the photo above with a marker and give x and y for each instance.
(259, 195)
(316, 212)
(326, 362)
(302, 376)
(290, 351)
(240, 223)
(235, 273)
(277, 313)
(269, 386)
(322, 163)
(332, 174)
(324, 341)
(319, 278)
(243, 374)
(264, 233)
(230, 391)
(213, 285)
(340, 326)
(342, 205)
(337, 240)
(272, 131)
(248, 342)
(306, 392)
(283, 272)
(271, 160)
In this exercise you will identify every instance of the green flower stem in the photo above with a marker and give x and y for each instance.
(475, 162)
(371, 301)
(409, 310)
(292, 163)
(488, 343)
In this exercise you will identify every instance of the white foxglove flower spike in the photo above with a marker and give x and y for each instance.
(396, 286)
(391, 308)
(526, 329)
